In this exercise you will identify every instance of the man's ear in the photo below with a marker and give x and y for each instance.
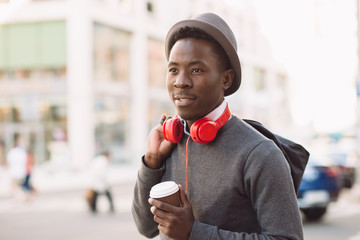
(227, 78)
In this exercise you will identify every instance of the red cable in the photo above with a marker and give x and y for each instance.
(186, 166)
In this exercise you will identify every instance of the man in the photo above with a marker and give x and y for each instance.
(238, 185)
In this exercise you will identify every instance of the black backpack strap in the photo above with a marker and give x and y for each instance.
(296, 155)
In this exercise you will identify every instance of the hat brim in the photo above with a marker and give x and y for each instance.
(220, 37)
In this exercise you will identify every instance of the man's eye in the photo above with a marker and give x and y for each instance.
(172, 70)
(196, 70)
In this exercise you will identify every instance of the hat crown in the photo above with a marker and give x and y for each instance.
(219, 23)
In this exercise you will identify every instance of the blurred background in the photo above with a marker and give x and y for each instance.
(78, 77)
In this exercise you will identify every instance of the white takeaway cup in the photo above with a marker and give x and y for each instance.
(167, 192)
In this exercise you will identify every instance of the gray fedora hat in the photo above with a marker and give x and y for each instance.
(217, 28)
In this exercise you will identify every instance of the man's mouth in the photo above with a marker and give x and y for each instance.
(183, 100)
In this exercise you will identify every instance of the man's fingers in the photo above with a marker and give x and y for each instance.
(163, 229)
(158, 215)
(161, 217)
(162, 119)
(174, 222)
(157, 212)
(162, 205)
(183, 198)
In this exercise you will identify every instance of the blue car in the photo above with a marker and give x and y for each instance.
(320, 186)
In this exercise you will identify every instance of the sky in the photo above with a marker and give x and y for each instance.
(316, 41)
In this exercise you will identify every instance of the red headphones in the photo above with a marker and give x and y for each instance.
(203, 130)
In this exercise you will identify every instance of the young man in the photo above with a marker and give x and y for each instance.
(238, 185)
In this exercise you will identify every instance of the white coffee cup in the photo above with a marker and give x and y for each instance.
(166, 192)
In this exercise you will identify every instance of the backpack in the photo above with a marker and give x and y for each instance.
(296, 155)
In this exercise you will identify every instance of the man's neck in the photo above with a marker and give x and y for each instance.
(213, 115)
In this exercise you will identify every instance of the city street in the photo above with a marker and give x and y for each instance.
(64, 216)
(86, 87)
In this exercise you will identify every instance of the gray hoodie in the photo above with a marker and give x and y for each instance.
(239, 187)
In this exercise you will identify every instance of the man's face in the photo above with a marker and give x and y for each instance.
(195, 79)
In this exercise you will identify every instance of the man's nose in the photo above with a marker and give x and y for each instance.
(182, 81)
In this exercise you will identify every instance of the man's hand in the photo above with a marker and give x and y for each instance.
(174, 222)
(158, 148)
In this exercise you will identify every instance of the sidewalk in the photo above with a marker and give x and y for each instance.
(46, 179)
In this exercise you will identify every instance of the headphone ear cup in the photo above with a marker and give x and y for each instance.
(173, 130)
(203, 131)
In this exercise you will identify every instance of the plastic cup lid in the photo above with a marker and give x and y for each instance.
(163, 189)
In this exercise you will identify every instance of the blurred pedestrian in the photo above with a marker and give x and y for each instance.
(100, 182)
(237, 183)
(16, 161)
(27, 184)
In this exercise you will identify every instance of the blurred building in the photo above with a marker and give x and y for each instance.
(357, 84)
(80, 76)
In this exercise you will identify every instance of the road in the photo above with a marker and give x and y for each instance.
(64, 216)
(341, 222)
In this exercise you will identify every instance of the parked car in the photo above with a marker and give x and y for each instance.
(320, 186)
(346, 162)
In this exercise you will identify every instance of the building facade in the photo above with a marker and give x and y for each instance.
(78, 77)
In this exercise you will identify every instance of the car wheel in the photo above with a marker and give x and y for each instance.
(314, 214)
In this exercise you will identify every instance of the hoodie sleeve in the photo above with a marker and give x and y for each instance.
(143, 218)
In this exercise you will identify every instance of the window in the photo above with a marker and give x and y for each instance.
(44, 46)
(5, 112)
(156, 63)
(111, 122)
(111, 54)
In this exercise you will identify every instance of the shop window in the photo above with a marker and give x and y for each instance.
(22, 74)
(5, 113)
(56, 145)
(35, 74)
(45, 46)
(111, 54)
(54, 113)
(54, 73)
(156, 63)
(15, 114)
(111, 121)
